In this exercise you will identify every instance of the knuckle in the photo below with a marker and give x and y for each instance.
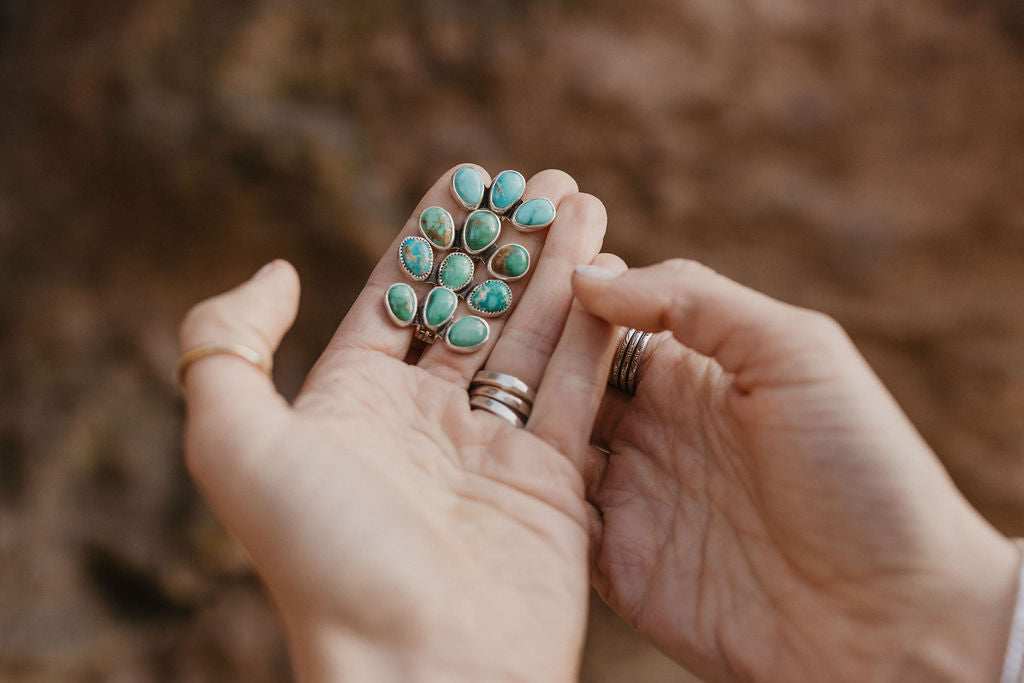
(688, 268)
(584, 207)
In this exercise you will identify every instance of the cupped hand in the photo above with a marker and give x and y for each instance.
(769, 513)
(402, 535)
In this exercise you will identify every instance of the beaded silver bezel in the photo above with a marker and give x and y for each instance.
(489, 314)
(472, 270)
(405, 266)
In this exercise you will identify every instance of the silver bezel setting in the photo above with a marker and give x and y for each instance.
(467, 349)
(533, 228)
(490, 194)
(426, 302)
(507, 278)
(458, 199)
(451, 221)
(391, 314)
(405, 267)
(472, 270)
(465, 230)
(489, 314)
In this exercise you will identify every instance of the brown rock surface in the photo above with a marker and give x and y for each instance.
(864, 158)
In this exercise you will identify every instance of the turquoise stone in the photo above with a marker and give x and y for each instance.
(439, 307)
(468, 187)
(507, 189)
(491, 298)
(510, 262)
(534, 214)
(466, 334)
(481, 231)
(416, 257)
(456, 271)
(400, 300)
(437, 225)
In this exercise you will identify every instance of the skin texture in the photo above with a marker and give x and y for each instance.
(768, 513)
(402, 536)
(765, 511)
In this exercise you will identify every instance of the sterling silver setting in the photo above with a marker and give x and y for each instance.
(427, 271)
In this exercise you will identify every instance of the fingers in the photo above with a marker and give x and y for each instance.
(230, 402)
(533, 330)
(749, 334)
(571, 390)
(366, 325)
(460, 368)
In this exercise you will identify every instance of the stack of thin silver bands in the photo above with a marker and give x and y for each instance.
(503, 395)
(625, 372)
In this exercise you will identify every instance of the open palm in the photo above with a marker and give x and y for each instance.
(398, 530)
(768, 512)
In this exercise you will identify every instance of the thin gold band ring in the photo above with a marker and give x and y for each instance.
(205, 350)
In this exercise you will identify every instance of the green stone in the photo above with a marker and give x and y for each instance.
(507, 189)
(491, 298)
(456, 271)
(534, 214)
(416, 257)
(401, 301)
(467, 333)
(437, 225)
(481, 231)
(439, 307)
(468, 187)
(510, 262)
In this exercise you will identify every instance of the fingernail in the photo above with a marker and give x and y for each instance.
(596, 272)
(263, 271)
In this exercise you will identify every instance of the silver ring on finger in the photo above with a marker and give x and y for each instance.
(625, 370)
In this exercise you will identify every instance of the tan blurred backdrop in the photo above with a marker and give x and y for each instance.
(864, 158)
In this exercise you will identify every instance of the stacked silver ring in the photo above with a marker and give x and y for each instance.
(625, 372)
(503, 395)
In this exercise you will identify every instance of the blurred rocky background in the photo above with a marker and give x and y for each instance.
(865, 158)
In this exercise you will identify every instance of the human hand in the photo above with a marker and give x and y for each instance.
(769, 513)
(402, 536)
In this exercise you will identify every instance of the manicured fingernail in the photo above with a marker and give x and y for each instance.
(263, 271)
(596, 272)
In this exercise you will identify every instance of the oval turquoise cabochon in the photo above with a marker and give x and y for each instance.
(507, 189)
(468, 187)
(467, 334)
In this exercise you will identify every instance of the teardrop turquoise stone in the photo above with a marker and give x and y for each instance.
(468, 186)
(468, 332)
(534, 214)
(401, 301)
(507, 189)
(511, 262)
(437, 225)
(491, 298)
(481, 230)
(456, 271)
(416, 257)
(439, 307)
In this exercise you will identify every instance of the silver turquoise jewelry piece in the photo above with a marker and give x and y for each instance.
(474, 242)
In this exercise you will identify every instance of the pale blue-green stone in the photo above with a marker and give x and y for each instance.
(467, 332)
(456, 271)
(481, 230)
(507, 189)
(401, 300)
(534, 213)
(491, 298)
(439, 307)
(469, 186)
(416, 257)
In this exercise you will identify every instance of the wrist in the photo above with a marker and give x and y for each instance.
(962, 634)
(330, 653)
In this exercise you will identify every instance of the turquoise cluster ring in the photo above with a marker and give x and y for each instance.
(449, 257)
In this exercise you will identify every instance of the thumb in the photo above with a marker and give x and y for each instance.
(760, 340)
(232, 406)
